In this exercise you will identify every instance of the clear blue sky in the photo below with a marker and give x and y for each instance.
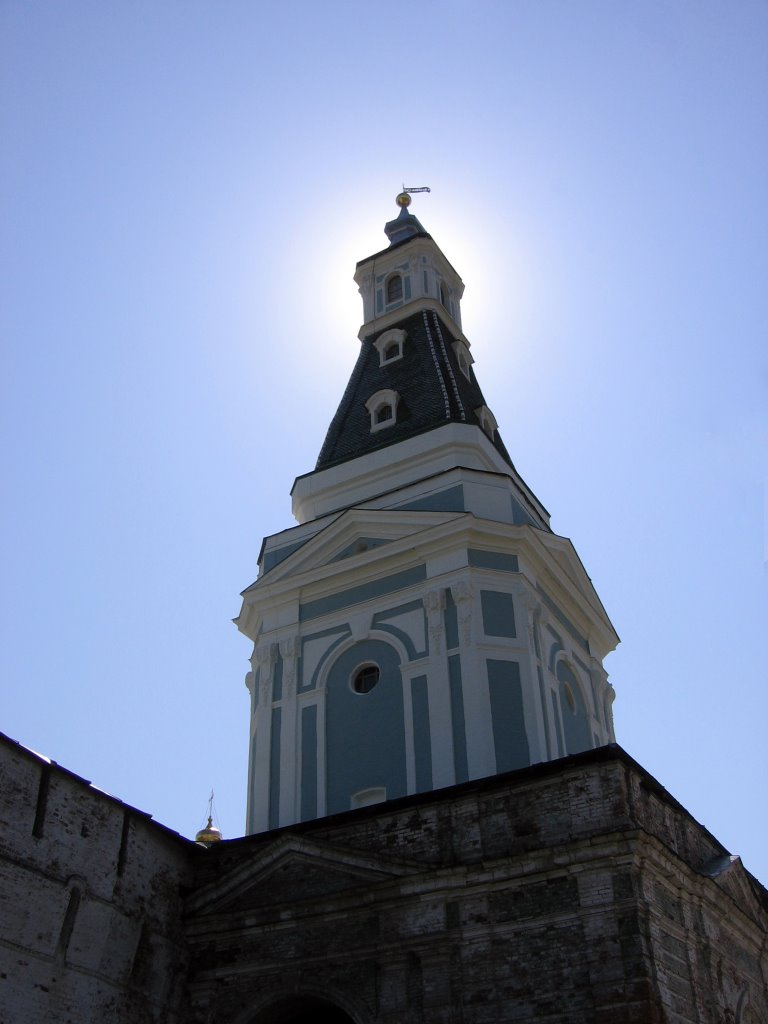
(185, 189)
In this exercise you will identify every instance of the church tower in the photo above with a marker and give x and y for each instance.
(422, 625)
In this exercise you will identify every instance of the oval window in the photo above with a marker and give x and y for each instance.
(365, 679)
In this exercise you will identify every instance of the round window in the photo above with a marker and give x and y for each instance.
(365, 679)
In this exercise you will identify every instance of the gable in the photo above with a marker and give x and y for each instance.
(357, 532)
(290, 870)
(729, 874)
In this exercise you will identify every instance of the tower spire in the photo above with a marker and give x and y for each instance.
(422, 625)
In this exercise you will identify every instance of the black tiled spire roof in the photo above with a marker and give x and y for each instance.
(432, 388)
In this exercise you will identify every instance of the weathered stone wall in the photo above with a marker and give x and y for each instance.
(568, 892)
(89, 902)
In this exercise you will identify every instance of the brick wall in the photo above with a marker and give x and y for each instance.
(573, 892)
(568, 892)
(89, 902)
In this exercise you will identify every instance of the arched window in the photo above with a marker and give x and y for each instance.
(366, 797)
(395, 288)
(463, 358)
(390, 345)
(383, 409)
(573, 710)
(570, 699)
(487, 420)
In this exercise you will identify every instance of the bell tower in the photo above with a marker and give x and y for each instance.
(421, 625)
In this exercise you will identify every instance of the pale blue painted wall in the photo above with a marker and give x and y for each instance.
(498, 613)
(558, 728)
(451, 622)
(499, 560)
(563, 619)
(422, 739)
(380, 621)
(457, 719)
(309, 762)
(365, 733)
(365, 592)
(277, 678)
(273, 558)
(575, 722)
(509, 736)
(519, 516)
(340, 633)
(449, 500)
(545, 716)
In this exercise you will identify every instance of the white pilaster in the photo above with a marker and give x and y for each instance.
(265, 658)
(478, 726)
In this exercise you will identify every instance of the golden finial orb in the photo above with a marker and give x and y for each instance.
(209, 834)
(403, 199)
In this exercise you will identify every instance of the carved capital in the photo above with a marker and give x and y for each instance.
(265, 689)
(527, 598)
(265, 654)
(434, 601)
(289, 647)
(462, 591)
(463, 594)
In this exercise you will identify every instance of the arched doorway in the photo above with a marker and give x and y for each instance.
(303, 1010)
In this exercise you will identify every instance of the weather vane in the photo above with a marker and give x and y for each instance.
(404, 199)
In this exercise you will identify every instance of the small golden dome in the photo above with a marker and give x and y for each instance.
(209, 834)
(403, 199)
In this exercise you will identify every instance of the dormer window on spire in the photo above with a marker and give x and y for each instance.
(487, 421)
(463, 358)
(383, 409)
(389, 345)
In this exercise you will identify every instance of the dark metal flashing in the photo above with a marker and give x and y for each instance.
(395, 245)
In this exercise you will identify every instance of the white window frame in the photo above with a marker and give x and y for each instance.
(487, 420)
(463, 358)
(396, 336)
(385, 397)
(387, 281)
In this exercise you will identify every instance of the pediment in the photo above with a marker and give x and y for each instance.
(290, 870)
(730, 875)
(356, 532)
(570, 573)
